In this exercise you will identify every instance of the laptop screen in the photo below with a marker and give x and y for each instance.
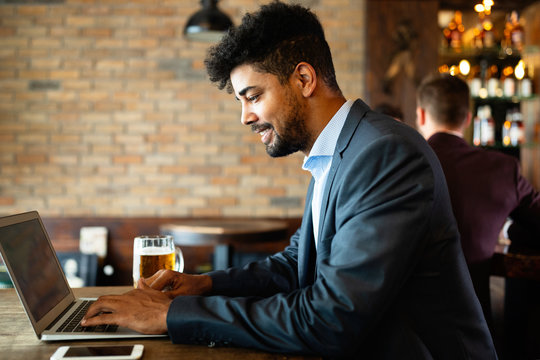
(34, 266)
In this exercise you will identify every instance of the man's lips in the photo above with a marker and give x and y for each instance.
(265, 135)
(265, 132)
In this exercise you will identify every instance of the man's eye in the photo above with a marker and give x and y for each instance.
(253, 98)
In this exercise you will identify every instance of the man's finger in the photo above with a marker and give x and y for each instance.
(142, 285)
(101, 319)
(151, 279)
(160, 280)
(104, 304)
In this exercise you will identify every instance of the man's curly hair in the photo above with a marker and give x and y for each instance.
(274, 40)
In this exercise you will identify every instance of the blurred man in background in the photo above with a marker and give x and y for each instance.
(486, 187)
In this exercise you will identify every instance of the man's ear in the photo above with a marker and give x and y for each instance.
(306, 78)
(468, 121)
(420, 116)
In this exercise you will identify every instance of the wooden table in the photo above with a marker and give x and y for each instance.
(19, 342)
(224, 235)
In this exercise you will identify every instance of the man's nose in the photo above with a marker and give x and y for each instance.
(247, 117)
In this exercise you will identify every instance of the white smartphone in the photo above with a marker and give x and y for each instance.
(98, 352)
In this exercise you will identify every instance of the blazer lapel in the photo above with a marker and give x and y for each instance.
(306, 244)
(358, 109)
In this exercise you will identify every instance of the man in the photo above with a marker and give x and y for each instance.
(485, 187)
(375, 270)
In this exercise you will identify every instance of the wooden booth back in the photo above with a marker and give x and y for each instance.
(65, 232)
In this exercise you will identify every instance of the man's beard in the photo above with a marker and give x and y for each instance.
(294, 136)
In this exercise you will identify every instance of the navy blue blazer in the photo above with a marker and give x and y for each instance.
(387, 281)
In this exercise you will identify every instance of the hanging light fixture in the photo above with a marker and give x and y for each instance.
(208, 24)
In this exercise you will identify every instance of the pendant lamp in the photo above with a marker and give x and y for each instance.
(208, 24)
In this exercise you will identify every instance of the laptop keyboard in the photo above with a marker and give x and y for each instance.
(72, 323)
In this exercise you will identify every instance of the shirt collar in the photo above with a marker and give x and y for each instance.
(452, 132)
(325, 145)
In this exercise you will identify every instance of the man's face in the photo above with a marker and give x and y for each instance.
(275, 111)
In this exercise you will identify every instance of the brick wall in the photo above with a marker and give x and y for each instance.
(105, 110)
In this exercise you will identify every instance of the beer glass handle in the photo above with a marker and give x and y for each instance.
(179, 259)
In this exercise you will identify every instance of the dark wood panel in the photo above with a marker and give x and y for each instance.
(64, 233)
(401, 35)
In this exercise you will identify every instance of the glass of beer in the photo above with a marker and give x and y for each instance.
(153, 253)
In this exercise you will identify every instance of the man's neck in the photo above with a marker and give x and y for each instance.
(457, 133)
(321, 113)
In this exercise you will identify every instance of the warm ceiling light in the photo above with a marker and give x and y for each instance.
(444, 69)
(519, 71)
(208, 24)
(484, 7)
(507, 71)
(487, 5)
(483, 93)
(464, 67)
(487, 25)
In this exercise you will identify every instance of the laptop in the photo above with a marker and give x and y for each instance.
(45, 294)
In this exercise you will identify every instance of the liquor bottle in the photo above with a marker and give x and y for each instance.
(492, 82)
(454, 32)
(475, 82)
(447, 34)
(483, 130)
(518, 32)
(507, 125)
(477, 37)
(525, 85)
(517, 130)
(488, 36)
(508, 82)
(513, 131)
(487, 127)
(506, 41)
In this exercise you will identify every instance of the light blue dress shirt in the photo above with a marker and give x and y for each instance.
(320, 159)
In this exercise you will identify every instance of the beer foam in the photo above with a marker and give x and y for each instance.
(155, 251)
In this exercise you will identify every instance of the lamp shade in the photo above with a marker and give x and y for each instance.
(207, 24)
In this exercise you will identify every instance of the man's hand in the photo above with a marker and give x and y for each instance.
(143, 310)
(173, 283)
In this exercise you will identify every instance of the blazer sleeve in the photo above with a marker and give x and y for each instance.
(374, 247)
(276, 273)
